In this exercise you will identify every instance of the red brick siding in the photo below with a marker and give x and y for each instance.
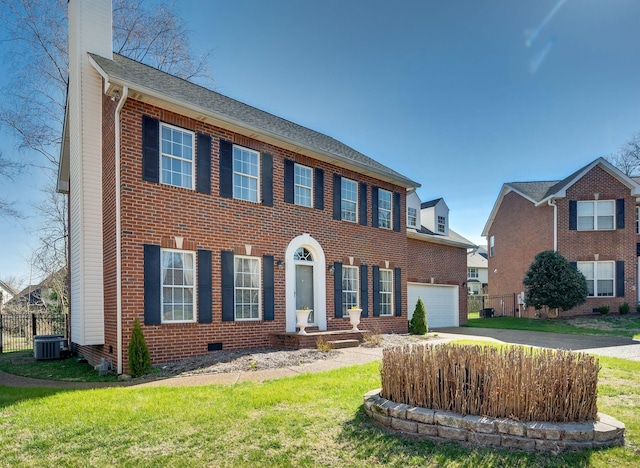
(445, 264)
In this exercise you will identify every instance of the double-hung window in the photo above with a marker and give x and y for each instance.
(412, 217)
(303, 185)
(386, 292)
(349, 200)
(384, 209)
(472, 272)
(442, 224)
(600, 278)
(176, 156)
(178, 286)
(350, 288)
(596, 215)
(247, 287)
(246, 174)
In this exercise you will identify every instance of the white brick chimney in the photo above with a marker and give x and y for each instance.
(90, 26)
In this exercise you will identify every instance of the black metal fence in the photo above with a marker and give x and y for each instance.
(17, 330)
(502, 305)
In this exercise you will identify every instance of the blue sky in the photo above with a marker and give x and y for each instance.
(461, 96)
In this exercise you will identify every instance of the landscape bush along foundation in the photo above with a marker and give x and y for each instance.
(510, 382)
(496, 432)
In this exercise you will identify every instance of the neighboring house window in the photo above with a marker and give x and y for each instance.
(600, 278)
(412, 217)
(350, 288)
(176, 158)
(303, 185)
(386, 292)
(384, 208)
(246, 174)
(178, 286)
(349, 197)
(596, 215)
(492, 242)
(472, 272)
(247, 287)
(441, 224)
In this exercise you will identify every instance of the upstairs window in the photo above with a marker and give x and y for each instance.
(178, 286)
(349, 200)
(442, 224)
(384, 209)
(303, 185)
(246, 174)
(412, 217)
(176, 156)
(600, 278)
(472, 273)
(492, 242)
(596, 215)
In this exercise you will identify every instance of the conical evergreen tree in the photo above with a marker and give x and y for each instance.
(139, 358)
(418, 324)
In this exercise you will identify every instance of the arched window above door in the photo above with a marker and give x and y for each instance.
(303, 253)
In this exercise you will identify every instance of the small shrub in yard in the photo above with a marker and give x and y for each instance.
(418, 324)
(604, 309)
(323, 345)
(139, 358)
(638, 308)
(374, 337)
(623, 309)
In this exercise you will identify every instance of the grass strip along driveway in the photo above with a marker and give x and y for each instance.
(309, 420)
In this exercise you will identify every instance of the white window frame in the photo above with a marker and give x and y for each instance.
(244, 175)
(473, 272)
(595, 217)
(386, 297)
(192, 287)
(412, 218)
(492, 246)
(596, 277)
(173, 157)
(237, 288)
(383, 222)
(346, 305)
(442, 224)
(344, 181)
(298, 186)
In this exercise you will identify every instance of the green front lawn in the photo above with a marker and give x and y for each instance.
(626, 326)
(309, 420)
(69, 370)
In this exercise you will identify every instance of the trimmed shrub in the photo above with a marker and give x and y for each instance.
(139, 358)
(638, 308)
(418, 324)
(623, 309)
(604, 309)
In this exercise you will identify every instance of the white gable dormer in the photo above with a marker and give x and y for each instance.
(413, 210)
(435, 216)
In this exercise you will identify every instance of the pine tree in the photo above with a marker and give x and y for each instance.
(139, 357)
(418, 324)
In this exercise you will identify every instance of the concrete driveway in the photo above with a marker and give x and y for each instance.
(625, 348)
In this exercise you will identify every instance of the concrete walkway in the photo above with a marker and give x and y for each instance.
(605, 346)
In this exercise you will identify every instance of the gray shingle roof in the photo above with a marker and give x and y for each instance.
(140, 76)
(535, 190)
(430, 203)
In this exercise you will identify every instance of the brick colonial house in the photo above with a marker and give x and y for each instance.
(590, 218)
(212, 221)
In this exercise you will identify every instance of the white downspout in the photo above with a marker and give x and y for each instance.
(123, 99)
(555, 224)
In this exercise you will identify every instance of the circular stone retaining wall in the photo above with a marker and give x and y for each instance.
(506, 433)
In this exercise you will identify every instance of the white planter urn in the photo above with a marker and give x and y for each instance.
(302, 320)
(354, 318)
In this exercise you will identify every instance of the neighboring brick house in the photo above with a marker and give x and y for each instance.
(590, 218)
(212, 221)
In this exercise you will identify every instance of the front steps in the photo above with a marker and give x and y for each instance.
(335, 339)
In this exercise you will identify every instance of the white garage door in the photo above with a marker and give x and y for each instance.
(441, 302)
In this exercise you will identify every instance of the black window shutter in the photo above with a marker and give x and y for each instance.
(152, 285)
(364, 290)
(397, 278)
(150, 149)
(268, 287)
(228, 305)
(267, 179)
(204, 286)
(620, 213)
(289, 179)
(226, 169)
(203, 164)
(574, 265)
(337, 289)
(362, 203)
(375, 219)
(638, 249)
(337, 196)
(620, 278)
(318, 189)
(375, 283)
(396, 211)
(573, 215)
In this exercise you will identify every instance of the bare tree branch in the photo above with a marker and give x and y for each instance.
(627, 159)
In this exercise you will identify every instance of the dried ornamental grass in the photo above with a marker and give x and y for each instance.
(513, 382)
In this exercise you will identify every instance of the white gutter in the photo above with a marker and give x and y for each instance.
(553, 203)
(123, 99)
